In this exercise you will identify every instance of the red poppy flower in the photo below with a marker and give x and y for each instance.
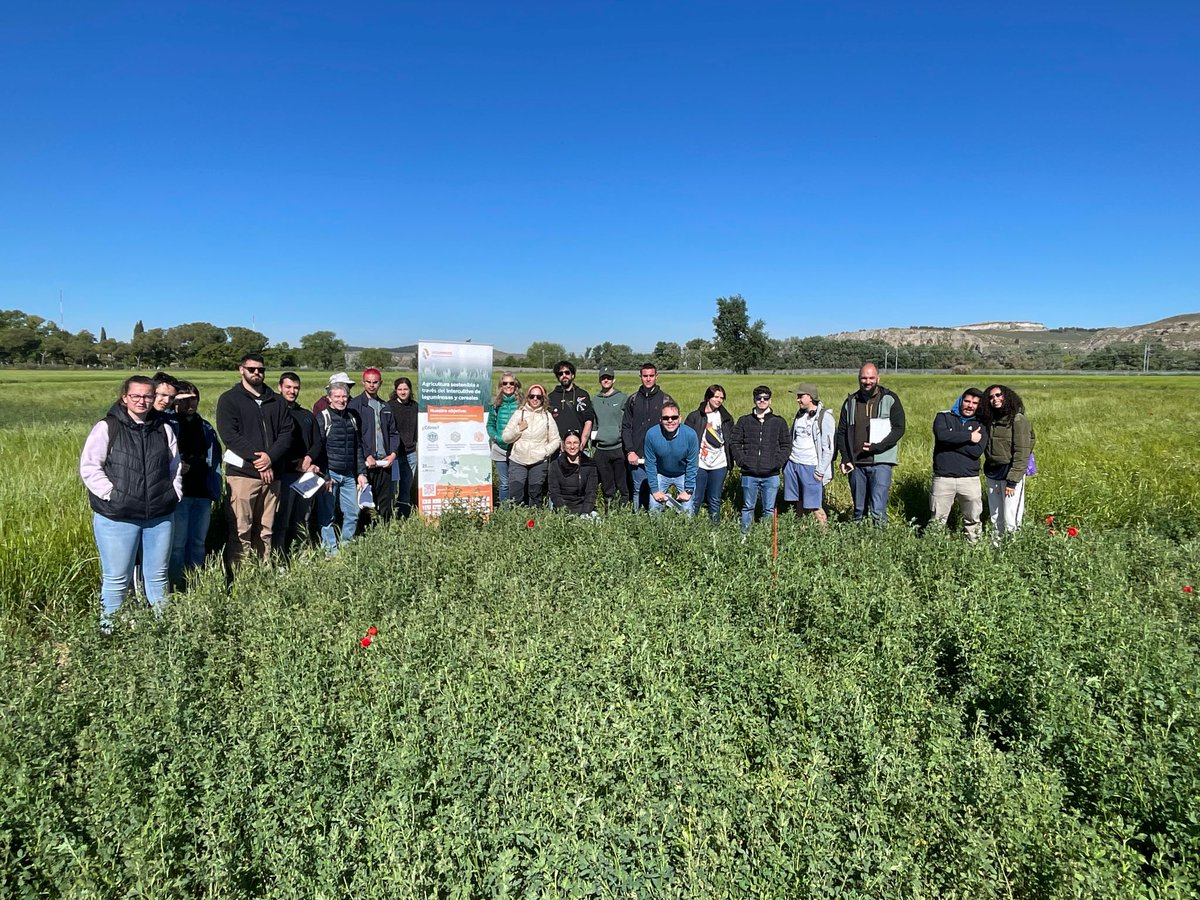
(372, 631)
(1187, 589)
(1072, 531)
(365, 642)
(1049, 520)
(529, 524)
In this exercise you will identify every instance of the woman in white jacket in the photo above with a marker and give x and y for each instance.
(532, 434)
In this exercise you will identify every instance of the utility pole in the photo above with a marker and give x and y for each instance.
(1146, 360)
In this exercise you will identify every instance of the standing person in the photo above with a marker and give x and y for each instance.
(256, 428)
(507, 401)
(130, 467)
(713, 425)
(571, 405)
(672, 456)
(532, 437)
(761, 445)
(869, 428)
(404, 412)
(200, 464)
(166, 387)
(958, 441)
(337, 378)
(643, 411)
(809, 468)
(573, 479)
(345, 463)
(1007, 460)
(301, 458)
(609, 407)
(381, 442)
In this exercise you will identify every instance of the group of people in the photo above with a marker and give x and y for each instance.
(153, 467)
(640, 454)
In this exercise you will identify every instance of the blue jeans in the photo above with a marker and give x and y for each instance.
(641, 487)
(118, 542)
(189, 536)
(502, 494)
(869, 488)
(752, 488)
(406, 470)
(664, 482)
(345, 490)
(709, 483)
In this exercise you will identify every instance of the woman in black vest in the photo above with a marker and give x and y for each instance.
(130, 466)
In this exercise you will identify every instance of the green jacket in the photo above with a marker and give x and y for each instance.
(609, 411)
(1010, 441)
(498, 417)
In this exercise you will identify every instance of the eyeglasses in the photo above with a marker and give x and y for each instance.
(255, 370)
(535, 396)
(670, 418)
(140, 398)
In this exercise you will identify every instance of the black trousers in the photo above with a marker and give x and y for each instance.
(614, 475)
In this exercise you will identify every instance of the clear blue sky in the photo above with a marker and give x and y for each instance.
(591, 171)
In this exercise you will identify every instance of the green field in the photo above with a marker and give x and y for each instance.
(633, 707)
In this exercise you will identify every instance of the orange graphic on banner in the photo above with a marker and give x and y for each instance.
(445, 496)
(455, 414)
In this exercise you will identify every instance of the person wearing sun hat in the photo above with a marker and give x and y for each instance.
(337, 378)
(809, 468)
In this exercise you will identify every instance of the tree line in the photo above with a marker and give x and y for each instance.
(736, 343)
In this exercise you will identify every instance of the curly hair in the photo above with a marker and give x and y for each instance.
(1009, 406)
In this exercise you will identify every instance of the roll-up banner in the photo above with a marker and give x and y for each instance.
(454, 465)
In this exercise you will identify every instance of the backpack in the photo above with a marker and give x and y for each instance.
(327, 419)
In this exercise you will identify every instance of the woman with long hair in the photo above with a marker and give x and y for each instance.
(130, 466)
(1007, 458)
(507, 401)
(404, 410)
(532, 437)
(713, 425)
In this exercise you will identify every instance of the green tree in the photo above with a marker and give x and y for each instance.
(619, 356)
(543, 354)
(323, 350)
(740, 345)
(243, 341)
(376, 357)
(667, 355)
(199, 345)
(103, 334)
(138, 328)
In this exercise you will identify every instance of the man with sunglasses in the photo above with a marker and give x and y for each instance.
(256, 428)
(672, 457)
(761, 445)
(570, 404)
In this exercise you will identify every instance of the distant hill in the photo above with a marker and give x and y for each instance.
(1180, 332)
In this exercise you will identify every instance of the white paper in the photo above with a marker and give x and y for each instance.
(308, 484)
(232, 459)
(880, 429)
(366, 498)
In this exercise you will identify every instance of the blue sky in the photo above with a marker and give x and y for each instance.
(598, 171)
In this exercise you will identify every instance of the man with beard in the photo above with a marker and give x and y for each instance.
(307, 443)
(256, 428)
(959, 439)
(869, 428)
(570, 404)
(380, 440)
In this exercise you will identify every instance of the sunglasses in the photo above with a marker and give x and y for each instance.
(535, 396)
(508, 384)
(995, 396)
(670, 418)
(254, 370)
(760, 397)
(563, 372)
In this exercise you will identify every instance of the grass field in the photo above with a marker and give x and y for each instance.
(629, 708)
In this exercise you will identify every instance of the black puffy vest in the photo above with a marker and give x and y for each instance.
(139, 466)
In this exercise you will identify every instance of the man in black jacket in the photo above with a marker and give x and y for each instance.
(959, 439)
(307, 443)
(762, 443)
(642, 411)
(381, 442)
(256, 428)
(570, 404)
